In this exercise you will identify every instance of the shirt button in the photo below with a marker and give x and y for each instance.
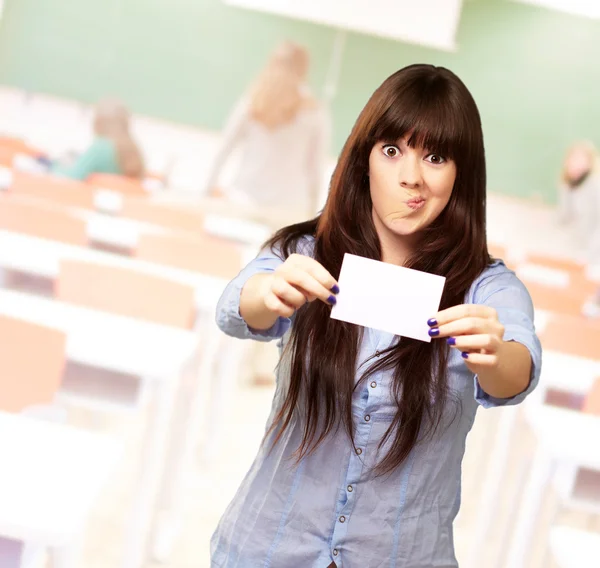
(367, 418)
(342, 519)
(377, 353)
(373, 384)
(335, 552)
(358, 451)
(350, 489)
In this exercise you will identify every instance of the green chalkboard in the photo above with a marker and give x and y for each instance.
(533, 72)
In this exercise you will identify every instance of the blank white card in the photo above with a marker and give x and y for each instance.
(387, 297)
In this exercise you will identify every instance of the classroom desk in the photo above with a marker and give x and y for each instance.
(50, 476)
(41, 257)
(563, 436)
(560, 371)
(155, 352)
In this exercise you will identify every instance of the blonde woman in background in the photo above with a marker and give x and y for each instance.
(579, 204)
(113, 150)
(281, 133)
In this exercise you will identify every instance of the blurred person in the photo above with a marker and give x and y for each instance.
(579, 204)
(113, 149)
(361, 460)
(281, 132)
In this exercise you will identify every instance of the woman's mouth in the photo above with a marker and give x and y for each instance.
(416, 203)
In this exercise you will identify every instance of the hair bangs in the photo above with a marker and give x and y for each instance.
(430, 119)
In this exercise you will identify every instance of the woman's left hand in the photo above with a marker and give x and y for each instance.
(474, 330)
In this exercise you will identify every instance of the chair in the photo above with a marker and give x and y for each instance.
(122, 292)
(39, 220)
(169, 217)
(557, 263)
(7, 156)
(204, 254)
(126, 292)
(591, 403)
(18, 146)
(56, 189)
(32, 360)
(118, 183)
(565, 301)
(574, 336)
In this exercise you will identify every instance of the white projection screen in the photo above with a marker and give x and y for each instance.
(432, 23)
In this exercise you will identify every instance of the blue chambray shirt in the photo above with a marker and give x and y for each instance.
(330, 507)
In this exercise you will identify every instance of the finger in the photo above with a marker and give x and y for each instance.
(462, 311)
(480, 359)
(309, 285)
(288, 293)
(465, 326)
(488, 342)
(316, 269)
(277, 306)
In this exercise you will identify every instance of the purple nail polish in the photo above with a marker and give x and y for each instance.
(451, 341)
(434, 332)
(335, 289)
(432, 322)
(332, 300)
(465, 355)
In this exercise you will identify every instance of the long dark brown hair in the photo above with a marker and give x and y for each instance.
(435, 108)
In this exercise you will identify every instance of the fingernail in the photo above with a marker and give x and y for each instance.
(451, 341)
(432, 322)
(465, 355)
(332, 300)
(335, 289)
(434, 331)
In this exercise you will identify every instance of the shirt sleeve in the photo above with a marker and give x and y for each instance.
(99, 157)
(509, 297)
(228, 315)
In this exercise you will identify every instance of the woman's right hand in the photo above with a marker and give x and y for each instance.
(298, 280)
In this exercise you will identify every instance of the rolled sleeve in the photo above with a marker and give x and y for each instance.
(505, 293)
(228, 315)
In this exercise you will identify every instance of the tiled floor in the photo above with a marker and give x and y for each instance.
(211, 485)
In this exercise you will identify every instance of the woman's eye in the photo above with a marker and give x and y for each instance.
(435, 159)
(390, 151)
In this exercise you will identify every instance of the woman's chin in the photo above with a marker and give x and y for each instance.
(405, 226)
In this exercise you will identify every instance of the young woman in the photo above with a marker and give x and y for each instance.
(113, 150)
(361, 461)
(281, 133)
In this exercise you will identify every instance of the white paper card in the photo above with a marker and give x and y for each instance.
(387, 297)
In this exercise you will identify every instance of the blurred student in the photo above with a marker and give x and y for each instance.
(579, 204)
(113, 150)
(281, 132)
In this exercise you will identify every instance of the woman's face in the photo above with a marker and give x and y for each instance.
(578, 163)
(409, 187)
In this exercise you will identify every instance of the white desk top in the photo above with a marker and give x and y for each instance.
(105, 340)
(41, 257)
(125, 232)
(50, 475)
(567, 435)
(575, 548)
